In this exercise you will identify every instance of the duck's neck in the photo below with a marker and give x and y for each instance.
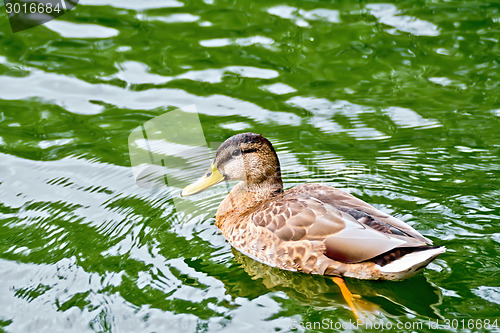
(264, 189)
(246, 195)
(263, 182)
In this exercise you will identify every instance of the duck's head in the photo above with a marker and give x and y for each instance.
(248, 157)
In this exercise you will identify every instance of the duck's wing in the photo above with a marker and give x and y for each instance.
(346, 239)
(359, 209)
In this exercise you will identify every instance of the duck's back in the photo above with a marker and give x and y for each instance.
(319, 229)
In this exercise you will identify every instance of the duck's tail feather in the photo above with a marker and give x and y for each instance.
(410, 263)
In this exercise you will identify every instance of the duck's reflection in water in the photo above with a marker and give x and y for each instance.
(392, 298)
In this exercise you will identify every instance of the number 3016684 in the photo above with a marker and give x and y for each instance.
(34, 7)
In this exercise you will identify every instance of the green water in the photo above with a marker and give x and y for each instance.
(396, 103)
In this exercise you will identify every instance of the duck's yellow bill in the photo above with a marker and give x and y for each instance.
(210, 178)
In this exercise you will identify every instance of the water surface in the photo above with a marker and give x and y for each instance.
(395, 102)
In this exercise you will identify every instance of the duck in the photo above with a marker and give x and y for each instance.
(310, 228)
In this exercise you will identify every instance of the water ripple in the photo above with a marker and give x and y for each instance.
(390, 15)
(72, 30)
(131, 4)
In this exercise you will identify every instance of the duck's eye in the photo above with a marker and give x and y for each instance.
(236, 152)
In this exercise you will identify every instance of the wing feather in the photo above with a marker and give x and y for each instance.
(349, 236)
(346, 201)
